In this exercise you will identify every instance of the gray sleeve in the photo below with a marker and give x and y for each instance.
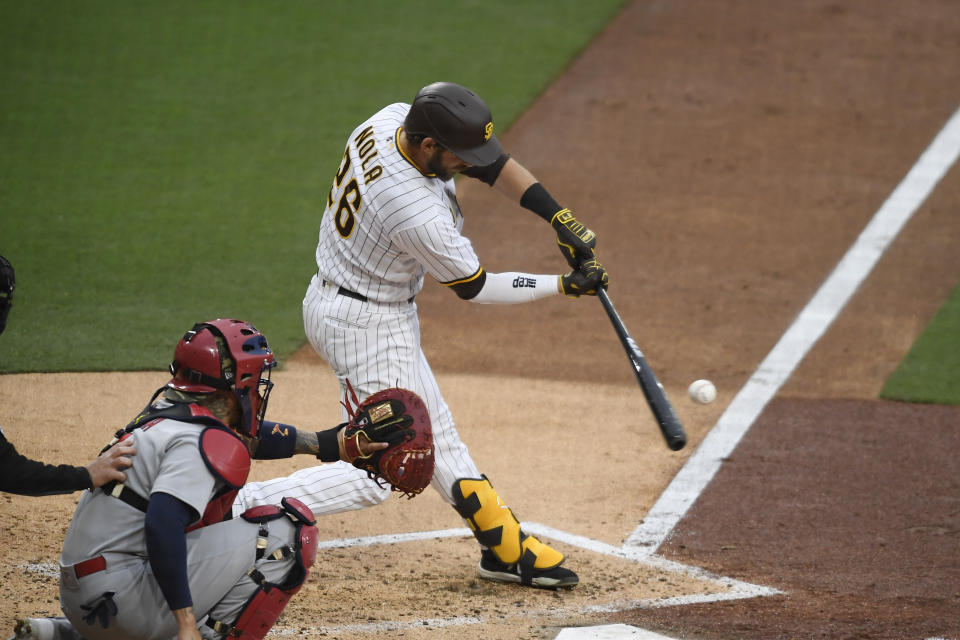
(183, 473)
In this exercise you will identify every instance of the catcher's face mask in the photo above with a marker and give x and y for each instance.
(254, 396)
(227, 354)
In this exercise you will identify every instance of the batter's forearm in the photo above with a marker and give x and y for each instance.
(514, 180)
(575, 240)
(537, 199)
(518, 184)
(514, 288)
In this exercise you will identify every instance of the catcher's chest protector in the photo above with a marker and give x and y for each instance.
(228, 460)
(223, 452)
(262, 610)
(225, 455)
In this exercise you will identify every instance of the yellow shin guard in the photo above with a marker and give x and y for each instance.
(495, 526)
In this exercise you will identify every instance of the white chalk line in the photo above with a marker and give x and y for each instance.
(726, 588)
(609, 632)
(392, 538)
(800, 337)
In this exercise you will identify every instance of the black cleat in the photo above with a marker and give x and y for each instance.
(491, 568)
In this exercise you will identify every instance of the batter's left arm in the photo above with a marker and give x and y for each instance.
(575, 240)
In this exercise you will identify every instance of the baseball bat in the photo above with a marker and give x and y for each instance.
(656, 397)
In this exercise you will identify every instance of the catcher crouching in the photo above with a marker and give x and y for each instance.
(151, 557)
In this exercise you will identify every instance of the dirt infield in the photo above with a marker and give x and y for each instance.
(727, 154)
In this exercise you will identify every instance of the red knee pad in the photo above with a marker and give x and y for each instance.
(267, 603)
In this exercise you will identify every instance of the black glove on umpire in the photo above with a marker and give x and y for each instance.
(585, 281)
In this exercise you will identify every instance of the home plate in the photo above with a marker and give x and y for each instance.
(610, 632)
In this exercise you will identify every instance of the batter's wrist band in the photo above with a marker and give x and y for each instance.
(537, 199)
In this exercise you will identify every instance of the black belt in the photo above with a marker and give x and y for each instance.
(343, 291)
(126, 494)
(350, 294)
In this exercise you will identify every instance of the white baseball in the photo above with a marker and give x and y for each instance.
(702, 391)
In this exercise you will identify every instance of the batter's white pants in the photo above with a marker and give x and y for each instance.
(374, 346)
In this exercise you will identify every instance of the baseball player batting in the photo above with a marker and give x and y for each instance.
(392, 217)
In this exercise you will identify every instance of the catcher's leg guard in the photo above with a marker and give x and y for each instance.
(261, 611)
(518, 557)
(257, 617)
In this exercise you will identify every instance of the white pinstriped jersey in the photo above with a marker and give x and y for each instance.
(387, 224)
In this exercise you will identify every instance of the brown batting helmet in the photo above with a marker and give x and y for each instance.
(457, 119)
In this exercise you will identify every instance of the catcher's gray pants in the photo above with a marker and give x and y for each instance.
(218, 558)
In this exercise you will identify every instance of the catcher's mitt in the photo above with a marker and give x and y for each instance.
(398, 417)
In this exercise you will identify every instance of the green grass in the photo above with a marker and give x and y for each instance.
(931, 370)
(166, 162)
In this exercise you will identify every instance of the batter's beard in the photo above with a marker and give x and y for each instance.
(435, 165)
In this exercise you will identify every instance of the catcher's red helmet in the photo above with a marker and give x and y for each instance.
(237, 362)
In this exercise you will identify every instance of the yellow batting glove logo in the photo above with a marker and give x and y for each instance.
(565, 218)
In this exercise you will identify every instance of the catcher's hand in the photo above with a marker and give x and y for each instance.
(397, 419)
(586, 280)
(576, 242)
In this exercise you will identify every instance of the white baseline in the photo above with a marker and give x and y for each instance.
(808, 327)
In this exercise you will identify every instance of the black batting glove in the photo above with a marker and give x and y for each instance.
(576, 242)
(587, 280)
